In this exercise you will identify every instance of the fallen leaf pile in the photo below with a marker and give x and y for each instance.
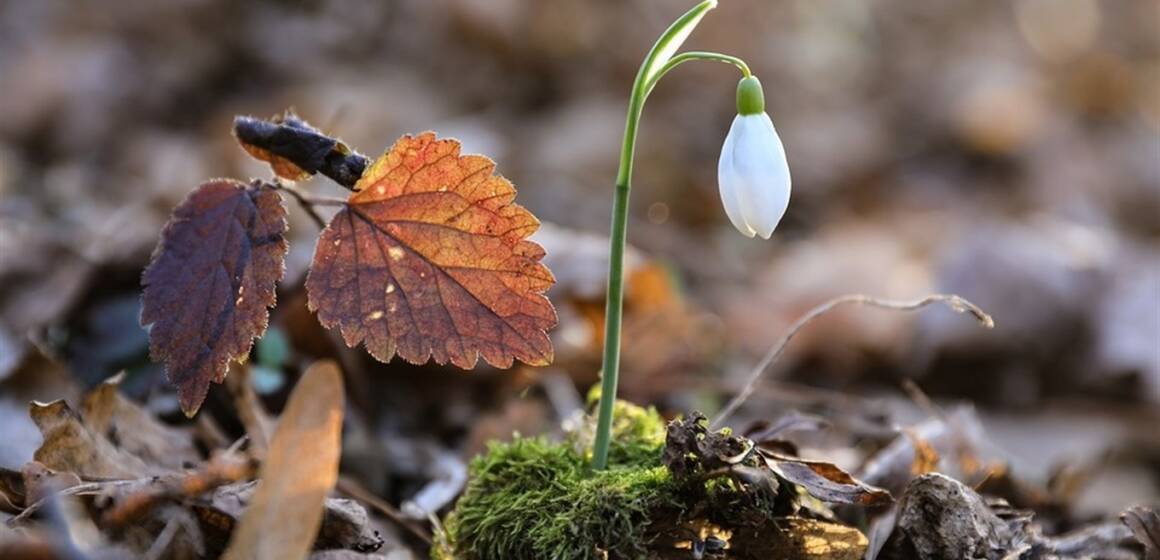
(933, 517)
(111, 481)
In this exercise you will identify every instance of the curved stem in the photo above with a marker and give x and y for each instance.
(309, 203)
(657, 62)
(696, 55)
(304, 203)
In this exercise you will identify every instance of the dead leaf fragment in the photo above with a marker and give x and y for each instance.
(294, 149)
(926, 457)
(429, 259)
(345, 523)
(133, 429)
(254, 129)
(1145, 525)
(691, 449)
(132, 501)
(211, 283)
(301, 468)
(13, 494)
(251, 412)
(40, 482)
(70, 446)
(825, 481)
(950, 442)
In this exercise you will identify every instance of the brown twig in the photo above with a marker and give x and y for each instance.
(356, 491)
(324, 201)
(303, 202)
(955, 302)
(253, 416)
(921, 399)
(79, 489)
(217, 473)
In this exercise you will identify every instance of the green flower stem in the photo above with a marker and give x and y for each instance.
(658, 62)
(697, 55)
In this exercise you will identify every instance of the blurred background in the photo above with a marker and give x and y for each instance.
(1005, 151)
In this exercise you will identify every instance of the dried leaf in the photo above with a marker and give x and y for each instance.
(691, 449)
(112, 437)
(282, 167)
(252, 413)
(295, 150)
(40, 482)
(70, 446)
(430, 259)
(301, 468)
(1145, 525)
(211, 282)
(286, 130)
(345, 524)
(1106, 540)
(136, 502)
(926, 457)
(825, 481)
(954, 440)
(879, 532)
(13, 494)
(107, 412)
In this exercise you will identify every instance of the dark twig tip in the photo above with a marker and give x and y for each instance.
(292, 139)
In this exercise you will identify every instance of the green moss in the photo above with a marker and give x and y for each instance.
(638, 436)
(534, 499)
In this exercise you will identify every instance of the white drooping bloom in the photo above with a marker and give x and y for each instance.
(753, 174)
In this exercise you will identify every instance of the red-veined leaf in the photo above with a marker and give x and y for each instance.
(429, 259)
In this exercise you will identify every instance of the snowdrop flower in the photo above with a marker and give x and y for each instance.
(753, 174)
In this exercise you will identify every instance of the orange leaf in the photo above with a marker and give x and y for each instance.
(211, 283)
(429, 259)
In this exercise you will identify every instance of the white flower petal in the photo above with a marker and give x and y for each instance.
(754, 176)
(730, 184)
(768, 176)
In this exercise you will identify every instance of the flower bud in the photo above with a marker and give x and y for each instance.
(753, 174)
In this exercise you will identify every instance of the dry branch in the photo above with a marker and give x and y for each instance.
(955, 302)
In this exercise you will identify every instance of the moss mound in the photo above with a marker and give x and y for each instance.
(535, 499)
(675, 491)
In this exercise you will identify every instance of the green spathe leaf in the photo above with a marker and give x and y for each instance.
(672, 39)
